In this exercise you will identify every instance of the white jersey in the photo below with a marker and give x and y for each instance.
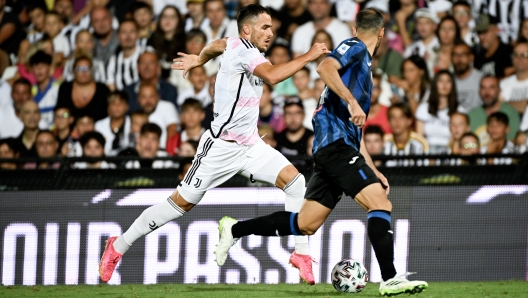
(237, 93)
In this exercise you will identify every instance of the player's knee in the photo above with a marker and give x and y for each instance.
(308, 229)
(181, 202)
(384, 204)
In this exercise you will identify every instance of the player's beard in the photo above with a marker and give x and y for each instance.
(377, 47)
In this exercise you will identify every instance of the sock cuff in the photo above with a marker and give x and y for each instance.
(175, 207)
(292, 181)
(386, 215)
(294, 226)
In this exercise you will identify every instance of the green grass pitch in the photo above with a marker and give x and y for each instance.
(436, 289)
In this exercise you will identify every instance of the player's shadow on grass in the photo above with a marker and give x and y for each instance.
(291, 293)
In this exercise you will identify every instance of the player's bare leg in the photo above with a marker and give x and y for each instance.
(152, 218)
(374, 200)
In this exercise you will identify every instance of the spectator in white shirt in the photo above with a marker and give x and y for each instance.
(196, 15)
(161, 112)
(84, 44)
(93, 144)
(199, 90)
(116, 127)
(432, 117)
(220, 25)
(320, 10)
(428, 45)
(514, 89)
(11, 125)
(53, 26)
(45, 90)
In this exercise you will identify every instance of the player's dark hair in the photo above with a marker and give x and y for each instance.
(11, 143)
(374, 129)
(150, 127)
(369, 20)
(191, 103)
(465, 116)
(434, 97)
(499, 117)
(92, 135)
(403, 107)
(249, 14)
(118, 94)
(40, 57)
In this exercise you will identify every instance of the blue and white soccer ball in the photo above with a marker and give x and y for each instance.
(349, 276)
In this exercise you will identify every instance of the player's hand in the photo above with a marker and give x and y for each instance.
(316, 51)
(357, 116)
(185, 63)
(384, 182)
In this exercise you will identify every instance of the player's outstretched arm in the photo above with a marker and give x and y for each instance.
(368, 159)
(211, 51)
(328, 69)
(274, 74)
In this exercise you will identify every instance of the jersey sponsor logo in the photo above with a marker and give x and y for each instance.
(343, 48)
(353, 160)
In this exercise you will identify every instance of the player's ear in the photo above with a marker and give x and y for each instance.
(246, 29)
(381, 32)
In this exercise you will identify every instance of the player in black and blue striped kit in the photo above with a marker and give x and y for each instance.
(342, 164)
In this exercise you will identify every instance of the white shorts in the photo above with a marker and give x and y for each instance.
(217, 160)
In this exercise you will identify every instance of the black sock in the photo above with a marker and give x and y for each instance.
(280, 223)
(380, 235)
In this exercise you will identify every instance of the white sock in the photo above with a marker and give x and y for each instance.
(294, 191)
(151, 219)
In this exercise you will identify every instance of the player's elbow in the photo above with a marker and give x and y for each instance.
(322, 68)
(272, 79)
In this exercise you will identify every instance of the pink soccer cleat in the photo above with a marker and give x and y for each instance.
(109, 260)
(304, 264)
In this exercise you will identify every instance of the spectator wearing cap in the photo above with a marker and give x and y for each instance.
(219, 25)
(9, 150)
(45, 90)
(295, 139)
(515, 87)
(320, 11)
(196, 15)
(467, 78)
(46, 147)
(149, 70)
(292, 15)
(83, 95)
(428, 45)
(493, 56)
(93, 144)
(462, 13)
(116, 127)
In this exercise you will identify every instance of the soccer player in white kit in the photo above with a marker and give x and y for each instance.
(232, 145)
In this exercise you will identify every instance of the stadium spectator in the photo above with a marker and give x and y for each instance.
(106, 41)
(279, 54)
(161, 112)
(158, 5)
(195, 41)
(62, 121)
(432, 117)
(490, 103)
(200, 89)
(65, 10)
(392, 38)
(149, 73)
(168, 39)
(46, 89)
(301, 80)
(37, 14)
(321, 36)
(84, 45)
(93, 145)
(122, 66)
(374, 136)
(467, 78)
(219, 25)
(520, 142)
(403, 141)
(268, 112)
(406, 22)
(192, 114)
(12, 126)
(188, 149)
(514, 89)
(12, 35)
(458, 126)
(116, 127)
(30, 117)
(493, 56)
(390, 62)
(319, 87)
(195, 16)
(295, 139)
(509, 17)
(148, 146)
(448, 34)
(320, 11)
(142, 14)
(72, 147)
(9, 150)
(462, 14)
(498, 128)
(416, 81)
(267, 134)
(428, 45)
(137, 120)
(23, 67)
(469, 145)
(84, 96)
(378, 113)
(46, 147)
(53, 25)
(292, 15)
(522, 36)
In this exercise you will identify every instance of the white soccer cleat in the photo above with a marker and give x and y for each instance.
(226, 239)
(399, 285)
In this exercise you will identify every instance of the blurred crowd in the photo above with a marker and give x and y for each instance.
(93, 78)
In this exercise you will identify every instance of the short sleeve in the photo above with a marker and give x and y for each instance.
(422, 113)
(348, 51)
(250, 57)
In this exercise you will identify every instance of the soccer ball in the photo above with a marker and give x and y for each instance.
(349, 276)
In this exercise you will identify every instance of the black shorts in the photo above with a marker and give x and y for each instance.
(339, 168)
